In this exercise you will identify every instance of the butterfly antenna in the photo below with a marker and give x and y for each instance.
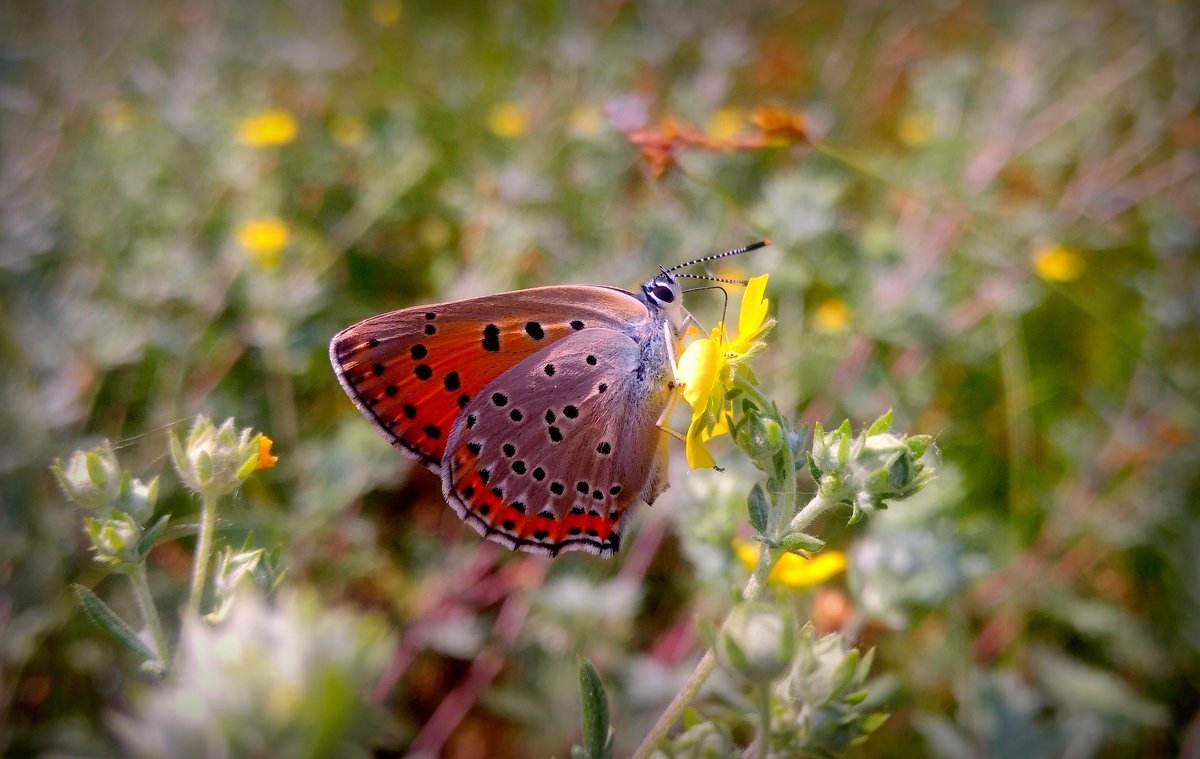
(726, 254)
(724, 294)
(741, 282)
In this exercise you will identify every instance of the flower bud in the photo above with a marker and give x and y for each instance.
(756, 642)
(704, 741)
(215, 461)
(115, 539)
(761, 438)
(92, 478)
(868, 470)
(252, 565)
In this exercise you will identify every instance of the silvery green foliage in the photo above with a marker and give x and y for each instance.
(817, 702)
(826, 696)
(867, 470)
(282, 678)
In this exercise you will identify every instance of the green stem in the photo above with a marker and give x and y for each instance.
(141, 591)
(787, 488)
(764, 719)
(754, 586)
(708, 662)
(204, 541)
(813, 510)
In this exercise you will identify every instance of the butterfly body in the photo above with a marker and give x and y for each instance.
(538, 408)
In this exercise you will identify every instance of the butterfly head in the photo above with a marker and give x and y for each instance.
(663, 294)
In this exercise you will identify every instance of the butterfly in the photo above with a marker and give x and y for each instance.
(541, 410)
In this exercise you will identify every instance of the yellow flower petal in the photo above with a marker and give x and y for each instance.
(726, 123)
(273, 127)
(698, 368)
(586, 119)
(116, 115)
(915, 129)
(754, 308)
(507, 120)
(698, 456)
(347, 131)
(385, 12)
(832, 315)
(264, 238)
(792, 570)
(747, 552)
(797, 572)
(1057, 264)
(263, 235)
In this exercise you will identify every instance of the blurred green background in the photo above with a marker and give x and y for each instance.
(993, 230)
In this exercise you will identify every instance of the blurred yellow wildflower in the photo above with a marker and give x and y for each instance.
(586, 119)
(792, 570)
(832, 315)
(915, 129)
(706, 369)
(1055, 263)
(508, 120)
(265, 459)
(386, 12)
(346, 130)
(726, 123)
(276, 126)
(116, 115)
(264, 238)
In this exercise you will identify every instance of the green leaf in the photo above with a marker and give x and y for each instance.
(204, 467)
(107, 620)
(151, 536)
(757, 503)
(918, 444)
(813, 469)
(844, 674)
(855, 698)
(595, 712)
(843, 452)
(96, 471)
(248, 466)
(881, 424)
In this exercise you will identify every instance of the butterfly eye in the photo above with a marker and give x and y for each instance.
(663, 294)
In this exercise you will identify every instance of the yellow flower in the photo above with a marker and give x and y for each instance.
(347, 131)
(265, 459)
(915, 129)
(1057, 264)
(832, 315)
(586, 119)
(792, 570)
(276, 126)
(264, 238)
(507, 120)
(726, 123)
(116, 115)
(386, 12)
(707, 369)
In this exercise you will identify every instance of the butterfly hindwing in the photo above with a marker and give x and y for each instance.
(412, 372)
(552, 454)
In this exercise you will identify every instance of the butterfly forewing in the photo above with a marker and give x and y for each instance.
(550, 456)
(412, 372)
